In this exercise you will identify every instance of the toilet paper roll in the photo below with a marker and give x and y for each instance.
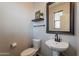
(13, 45)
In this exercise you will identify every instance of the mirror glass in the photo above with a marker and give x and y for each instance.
(59, 17)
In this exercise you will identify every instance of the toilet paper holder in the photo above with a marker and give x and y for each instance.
(13, 45)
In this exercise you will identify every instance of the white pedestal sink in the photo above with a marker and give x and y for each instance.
(57, 47)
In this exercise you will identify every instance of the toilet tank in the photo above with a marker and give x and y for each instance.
(36, 43)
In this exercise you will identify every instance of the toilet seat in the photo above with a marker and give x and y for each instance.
(29, 52)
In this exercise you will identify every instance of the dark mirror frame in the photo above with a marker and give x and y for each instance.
(71, 32)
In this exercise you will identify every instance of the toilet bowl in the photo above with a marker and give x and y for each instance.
(32, 51)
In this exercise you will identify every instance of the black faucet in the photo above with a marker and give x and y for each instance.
(56, 38)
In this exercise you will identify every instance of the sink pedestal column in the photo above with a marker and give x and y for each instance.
(55, 53)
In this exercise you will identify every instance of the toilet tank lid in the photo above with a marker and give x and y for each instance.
(36, 39)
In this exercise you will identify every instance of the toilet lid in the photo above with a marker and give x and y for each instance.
(29, 52)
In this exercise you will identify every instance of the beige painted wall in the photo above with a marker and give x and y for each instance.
(15, 26)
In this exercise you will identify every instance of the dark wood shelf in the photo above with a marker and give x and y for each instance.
(39, 26)
(39, 19)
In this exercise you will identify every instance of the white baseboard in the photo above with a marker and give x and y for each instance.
(4, 54)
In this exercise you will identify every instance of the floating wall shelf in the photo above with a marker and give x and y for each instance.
(39, 19)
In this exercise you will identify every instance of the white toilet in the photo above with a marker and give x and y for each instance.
(32, 51)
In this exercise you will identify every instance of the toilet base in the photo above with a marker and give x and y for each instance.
(29, 52)
(55, 53)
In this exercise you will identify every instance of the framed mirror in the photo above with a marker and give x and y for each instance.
(60, 17)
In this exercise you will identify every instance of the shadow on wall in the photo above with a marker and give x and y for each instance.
(70, 52)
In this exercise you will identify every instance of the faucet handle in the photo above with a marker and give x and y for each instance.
(60, 39)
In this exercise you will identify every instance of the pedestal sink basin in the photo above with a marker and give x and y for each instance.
(57, 47)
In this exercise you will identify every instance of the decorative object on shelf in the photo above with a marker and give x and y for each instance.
(39, 14)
